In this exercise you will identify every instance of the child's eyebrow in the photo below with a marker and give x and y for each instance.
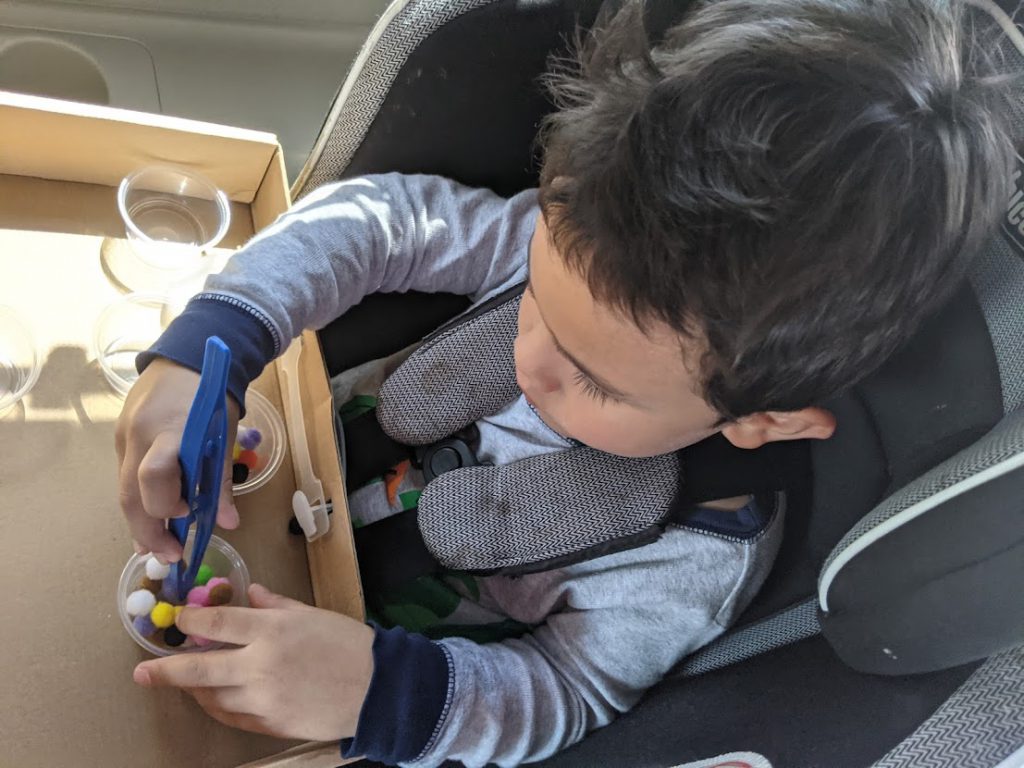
(615, 393)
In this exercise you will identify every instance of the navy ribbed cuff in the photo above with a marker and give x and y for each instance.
(184, 341)
(407, 698)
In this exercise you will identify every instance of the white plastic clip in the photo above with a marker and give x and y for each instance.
(308, 502)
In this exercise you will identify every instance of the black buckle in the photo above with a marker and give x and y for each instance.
(444, 456)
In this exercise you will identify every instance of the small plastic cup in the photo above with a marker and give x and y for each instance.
(260, 414)
(171, 216)
(220, 556)
(123, 330)
(20, 361)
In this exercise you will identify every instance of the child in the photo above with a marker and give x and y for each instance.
(730, 229)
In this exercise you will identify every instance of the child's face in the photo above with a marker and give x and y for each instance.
(593, 375)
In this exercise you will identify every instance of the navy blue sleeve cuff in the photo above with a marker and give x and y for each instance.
(249, 338)
(407, 698)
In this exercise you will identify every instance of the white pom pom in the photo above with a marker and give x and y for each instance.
(140, 602)
(156, 570)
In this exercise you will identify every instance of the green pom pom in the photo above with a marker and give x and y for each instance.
(203, 575)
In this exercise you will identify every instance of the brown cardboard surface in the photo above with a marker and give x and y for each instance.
(65, 660)
(52, 139)
(42, 205)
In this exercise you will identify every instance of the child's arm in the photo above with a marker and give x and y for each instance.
(337, 245)
(377, 234)
(618, 624)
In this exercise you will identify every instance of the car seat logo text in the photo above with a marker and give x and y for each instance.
(1013, 222)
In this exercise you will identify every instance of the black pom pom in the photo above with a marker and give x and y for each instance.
(174, 637)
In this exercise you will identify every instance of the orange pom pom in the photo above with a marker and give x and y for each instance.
(249, 458)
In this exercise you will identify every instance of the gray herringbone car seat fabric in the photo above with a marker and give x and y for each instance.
(979, 726)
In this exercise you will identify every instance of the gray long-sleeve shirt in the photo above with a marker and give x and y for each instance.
(606, 629)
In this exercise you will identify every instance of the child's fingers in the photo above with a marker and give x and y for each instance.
(207, 699)
(160, 478)
(227, 512)
(213, 669)
(148, 532)
(261, 597)
(225, 624)
(235, 700)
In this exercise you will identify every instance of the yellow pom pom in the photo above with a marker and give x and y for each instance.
(177, 612)
(162, 615)
(236, 451)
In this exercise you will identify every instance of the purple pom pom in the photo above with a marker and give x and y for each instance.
(144, 625)
(249, 439)
(169, 591)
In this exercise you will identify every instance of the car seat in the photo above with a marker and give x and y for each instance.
(890, 631)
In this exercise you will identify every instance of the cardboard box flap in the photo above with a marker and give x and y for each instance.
(110, 143)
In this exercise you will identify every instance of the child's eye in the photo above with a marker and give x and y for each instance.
(590, 389)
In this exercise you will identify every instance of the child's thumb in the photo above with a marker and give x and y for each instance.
(227, 512)
(261, 597)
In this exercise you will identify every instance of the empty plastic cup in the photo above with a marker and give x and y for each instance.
(20, 362)
(123, 330)
(171, 216)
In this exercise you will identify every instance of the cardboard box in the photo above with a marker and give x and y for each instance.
(67, 697)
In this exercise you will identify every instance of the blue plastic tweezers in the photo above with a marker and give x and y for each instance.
(201, 455)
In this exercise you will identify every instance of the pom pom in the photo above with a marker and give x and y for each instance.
(153, 585)
(144, 625)
(250, 439)
(156, 570)
(235, 451)
(162, 615)
(239, 473)
(199, 596)
(174, 637)
(216, 580)
(177, 612)
(140, 602)
(249, 458)
(169, 591)
(203, 575)
(200, 641)
(221, 594)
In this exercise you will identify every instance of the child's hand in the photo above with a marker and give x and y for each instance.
(303, 672)
(147, 439)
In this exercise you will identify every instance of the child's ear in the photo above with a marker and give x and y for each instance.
(755, 430)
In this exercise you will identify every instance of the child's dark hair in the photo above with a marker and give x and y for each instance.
(791, 184)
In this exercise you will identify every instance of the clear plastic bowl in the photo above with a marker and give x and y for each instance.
(126, 328)
(20, 361)
(171, 216)
(222, 558)
(261, 414)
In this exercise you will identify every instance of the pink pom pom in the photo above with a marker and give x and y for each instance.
(215, 581)
(199, 596)
(200, 641)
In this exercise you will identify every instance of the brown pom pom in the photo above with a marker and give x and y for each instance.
(221, 594)
(153, 585)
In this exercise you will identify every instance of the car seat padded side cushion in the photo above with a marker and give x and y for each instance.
(931, 399)
(939, 590)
